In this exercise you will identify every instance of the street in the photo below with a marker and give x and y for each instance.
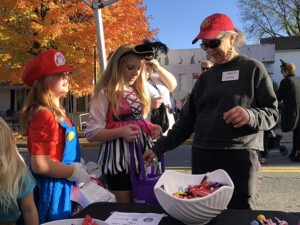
(280, 183)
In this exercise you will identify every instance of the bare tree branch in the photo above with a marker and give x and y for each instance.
(270, 18)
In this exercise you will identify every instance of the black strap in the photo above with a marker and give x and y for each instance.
(133, 116)
(154, 85)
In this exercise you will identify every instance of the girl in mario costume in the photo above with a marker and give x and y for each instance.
(52, 140)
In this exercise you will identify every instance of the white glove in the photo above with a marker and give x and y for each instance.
(82, 161)
(93, 169)
(79, 175)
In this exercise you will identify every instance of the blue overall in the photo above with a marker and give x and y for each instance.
(52, 195)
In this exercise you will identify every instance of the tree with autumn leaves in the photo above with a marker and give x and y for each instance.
(28, 27)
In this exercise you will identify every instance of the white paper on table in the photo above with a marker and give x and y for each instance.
(125, 218)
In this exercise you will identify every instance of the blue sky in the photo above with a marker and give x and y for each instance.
(179, 21)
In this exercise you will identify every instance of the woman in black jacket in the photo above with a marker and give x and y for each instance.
(229, 108)
(289, 93)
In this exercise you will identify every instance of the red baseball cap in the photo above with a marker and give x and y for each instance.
(213, 25)
(46, 63)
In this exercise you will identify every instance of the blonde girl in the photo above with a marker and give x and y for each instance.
(16, 183)
(117, 117)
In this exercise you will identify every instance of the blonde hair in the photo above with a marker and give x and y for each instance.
(39, 97)
(239, 39)
(12, 168)
(112, 79)
(290, 68)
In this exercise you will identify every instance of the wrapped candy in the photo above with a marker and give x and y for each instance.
(269, 222)
(254, 222)
(262, 219)
(195, 191)
(281, 222)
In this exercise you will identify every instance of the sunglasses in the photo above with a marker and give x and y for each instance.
(205, 68)
(214, 43)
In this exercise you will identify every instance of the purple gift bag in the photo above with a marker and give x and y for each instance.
(143, 183)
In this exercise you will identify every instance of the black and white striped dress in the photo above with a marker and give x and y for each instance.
(114, 155)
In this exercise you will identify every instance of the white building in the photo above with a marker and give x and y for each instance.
(287, 49)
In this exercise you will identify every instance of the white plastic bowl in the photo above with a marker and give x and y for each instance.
(197, 211)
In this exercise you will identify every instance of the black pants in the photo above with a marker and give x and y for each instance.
(119, 182)
(242, 166)
(296, 138)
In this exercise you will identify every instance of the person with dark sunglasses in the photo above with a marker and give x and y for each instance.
(206, 65)
(214, 43)
(228, 110)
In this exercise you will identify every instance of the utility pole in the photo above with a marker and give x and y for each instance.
(97, 5)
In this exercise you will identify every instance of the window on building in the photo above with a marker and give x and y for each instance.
(68, 103)
(167, 60)
(80, 104)
(193, 59)
(20, 96)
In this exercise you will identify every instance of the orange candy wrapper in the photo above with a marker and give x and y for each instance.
(88, 220)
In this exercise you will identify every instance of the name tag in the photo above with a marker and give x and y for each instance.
(230, 75)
